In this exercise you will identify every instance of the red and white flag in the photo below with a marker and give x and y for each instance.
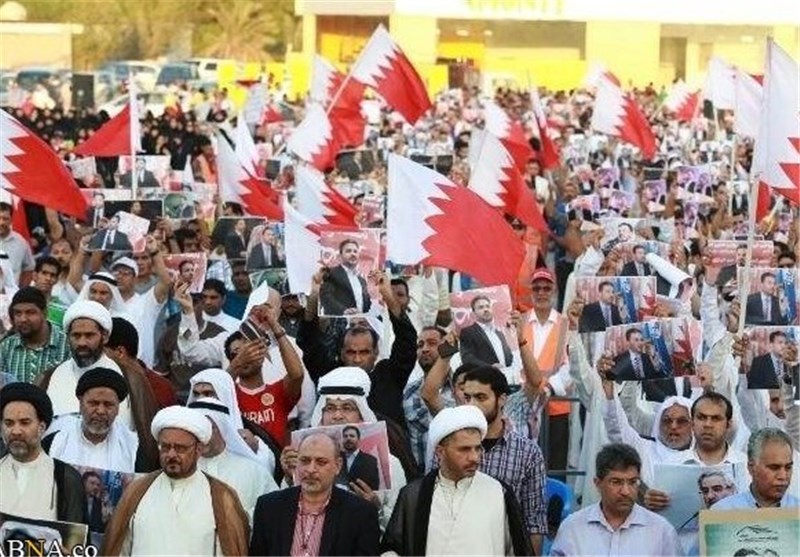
(31, 170)
(616, 113)
(121, 135)
(325, 81)
(237, 185)
(596, 72)
(383, 66)
(747, 110)
(510, 132)
(432, 221)
(776, 158)
(320, 202)
(682, 102)
(720, 85)
(498, 181)
(245, 149)
(313, 140)
(550, 156)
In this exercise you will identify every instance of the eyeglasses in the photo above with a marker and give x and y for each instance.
(344, 408)
(617, 483)
(178, 448)
(676, 421)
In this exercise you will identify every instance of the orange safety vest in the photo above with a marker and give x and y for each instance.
(552, 356)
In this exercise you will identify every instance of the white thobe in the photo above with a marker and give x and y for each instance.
(28, 488)
(468, 518)
(246, 476)
(222, 319)
(143, 310)
(116, 452)
(174, 517)
(61, 389)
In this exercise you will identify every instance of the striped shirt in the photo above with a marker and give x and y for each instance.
(25, 363)
(518, 462)
(308, 531)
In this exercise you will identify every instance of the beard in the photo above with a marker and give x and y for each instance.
(20, 449)
(85, 357)
(97, 427)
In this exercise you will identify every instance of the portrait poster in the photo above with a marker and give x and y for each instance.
(695, 488)
(726, 533)
(373, 209)
(618, 230)
(655, 349)
(22, 534)
(461, 305)
(147, 171)
(136, 228)
(771, 299)
(105, 487)
(120, 232)
(586, 204)
(370, 464)
(181, 205)
(626, 251)
(231, 235)
(150, 209)
(621, 201)
(349, 257)
(727, 255)
(266, 248)
(83, 170)
(276, 278)
(655, 191)
(610, 301)
(605, 177)
(188, 267)
(771, 355)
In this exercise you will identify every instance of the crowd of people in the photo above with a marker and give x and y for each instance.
(113, 367)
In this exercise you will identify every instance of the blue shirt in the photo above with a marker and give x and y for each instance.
(587, 532)
(745, 500)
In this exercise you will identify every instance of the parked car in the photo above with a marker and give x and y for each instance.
(144, 73)
(208, 68)
(6, 80)
(153, 102)
(179, 72)
(29, 78)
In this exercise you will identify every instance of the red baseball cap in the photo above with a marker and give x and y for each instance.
(543, 273)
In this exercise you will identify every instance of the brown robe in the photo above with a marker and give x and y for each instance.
(232, 531)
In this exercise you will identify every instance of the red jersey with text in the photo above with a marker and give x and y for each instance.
(269, 407)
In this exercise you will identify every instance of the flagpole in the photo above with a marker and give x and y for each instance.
(744, 287)
(134, 114)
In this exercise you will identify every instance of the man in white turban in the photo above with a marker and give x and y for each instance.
(455, 509)
(87, 325)
(178, 510)
(229, 459)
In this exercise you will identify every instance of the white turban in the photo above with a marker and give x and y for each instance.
(450, 420)
(180, 417)
(344, 383)
(87, 309)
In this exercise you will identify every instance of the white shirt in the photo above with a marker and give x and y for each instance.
(494, 340)
(587, 532)
(143, 310)
(230, 324)
(116, 452)
(174, 517)
(355, 285)
(247, 478)
(28, 488)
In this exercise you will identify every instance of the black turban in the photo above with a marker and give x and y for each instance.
(102, 377)
(25, 392)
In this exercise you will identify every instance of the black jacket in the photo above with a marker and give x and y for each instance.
(336, 295)
(477, 348)
(364, 467)
(407, 531)
(755, 311)
(350, 527)
(593, 321)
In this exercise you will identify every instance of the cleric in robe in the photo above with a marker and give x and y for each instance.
(454, 509)
(178, 510)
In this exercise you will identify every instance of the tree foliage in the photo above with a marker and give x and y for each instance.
(247, 30)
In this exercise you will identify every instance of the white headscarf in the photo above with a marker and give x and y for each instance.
(225, 388)
(661, 450)
(117, 306)
(344, 383)
(214, 410)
